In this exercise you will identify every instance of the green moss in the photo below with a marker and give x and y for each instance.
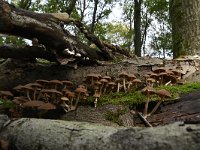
(136, 97)
(114, 116)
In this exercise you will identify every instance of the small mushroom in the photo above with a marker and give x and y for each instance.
(6, 94)
(96, 96)
(162, 94)
(147, 91)
(124, 77)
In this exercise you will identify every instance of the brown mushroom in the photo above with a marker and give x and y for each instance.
(147, 91)
(124, 77)
(6, 94)
(67, 84)
(55, 84)
(162, 94)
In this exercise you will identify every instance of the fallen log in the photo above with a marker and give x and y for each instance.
(47, 28)
(32, 134)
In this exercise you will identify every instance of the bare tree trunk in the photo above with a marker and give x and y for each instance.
(137, 27)
(185, 26)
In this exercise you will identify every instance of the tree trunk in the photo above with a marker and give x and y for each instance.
(185, 20)
(33, 134)
(137, 27)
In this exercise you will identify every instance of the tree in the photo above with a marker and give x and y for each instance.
(185, 20)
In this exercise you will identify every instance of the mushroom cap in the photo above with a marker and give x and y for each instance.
(159, 70)
(33, 85)
(64, 98)
(151, 80)
(136, 81)
(97, 95)
(93, 75)
(80, 90)
(107, 78)
(104, 80)
(68, 83)
(33, 103)
(41, 81)
(131, 77)
(47, 106)
(148, 90)
(123, 74)
(71, 95)
(163, 93)
(6, 93)
(55, 82)
(118, 80)
(18, 88)
(51, 91)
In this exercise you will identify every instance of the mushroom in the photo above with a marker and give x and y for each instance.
(26, 89)
(44, 83)
(35, 86)
(78, 92)
(130, 78)
(147, 91)
(124, 76)
(63, 101)
(32, 104)
(96, 95)
(55, 95)
(119, 83)
(136, 82)
(92, 77)
(47, 106)
(103, 83)
(55, 84)
(6, 94)
(67, 84)
(162, 94)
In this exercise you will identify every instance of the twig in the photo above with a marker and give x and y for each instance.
(144, 119)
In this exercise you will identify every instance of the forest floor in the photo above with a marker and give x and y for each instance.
(185, 109)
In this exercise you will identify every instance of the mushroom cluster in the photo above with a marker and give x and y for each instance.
(106, 84)
(48, 95)
(162, 76)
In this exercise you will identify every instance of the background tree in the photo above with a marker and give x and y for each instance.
(185, 20)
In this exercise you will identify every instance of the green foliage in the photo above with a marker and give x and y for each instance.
(6, 104)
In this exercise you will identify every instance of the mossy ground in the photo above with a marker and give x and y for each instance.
(135, 98)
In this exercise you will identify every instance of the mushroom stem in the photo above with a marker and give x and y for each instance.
(124, 84)
(118, 85)
(156, 107)
(28, 95)
(95, 102)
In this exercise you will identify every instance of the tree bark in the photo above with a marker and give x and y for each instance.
(137, 27)
(185, 20)
(33, 134)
